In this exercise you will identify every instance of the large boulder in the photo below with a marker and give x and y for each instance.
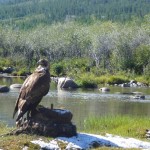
(65, 83)
(48, 122)
(4, 88)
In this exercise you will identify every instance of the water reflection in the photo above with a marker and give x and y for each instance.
(82, 103)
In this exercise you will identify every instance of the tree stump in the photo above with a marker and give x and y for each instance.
(48, 122)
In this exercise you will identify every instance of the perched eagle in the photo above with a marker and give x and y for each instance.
(33, 89)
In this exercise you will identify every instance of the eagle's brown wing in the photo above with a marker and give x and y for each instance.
(33, 89)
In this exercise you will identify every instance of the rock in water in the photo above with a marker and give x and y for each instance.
(48, 122)
(4, 88)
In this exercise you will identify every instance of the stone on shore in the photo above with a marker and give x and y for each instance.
(4, 88)
(48, 122)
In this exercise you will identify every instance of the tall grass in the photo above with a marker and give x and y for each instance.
(131, 126)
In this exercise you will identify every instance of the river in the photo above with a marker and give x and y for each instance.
(82, 103)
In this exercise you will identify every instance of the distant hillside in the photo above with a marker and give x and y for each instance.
(29, 13)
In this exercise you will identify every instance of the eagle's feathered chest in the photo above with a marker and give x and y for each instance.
(36, 85)
(40, 78)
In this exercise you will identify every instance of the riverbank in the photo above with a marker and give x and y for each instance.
(95, 134)
(85, 75)
(89, 80)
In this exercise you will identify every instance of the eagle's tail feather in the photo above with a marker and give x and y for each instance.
(14, 113)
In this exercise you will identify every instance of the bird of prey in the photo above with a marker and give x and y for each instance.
(33, 89)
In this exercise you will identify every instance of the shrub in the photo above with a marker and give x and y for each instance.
(22, 72)
(14, 73)
(1, 69)
(116, 80)
(143, 79)
(6, 62)
(58, 69)
(87, 80)
(88, 84)
(101, 79)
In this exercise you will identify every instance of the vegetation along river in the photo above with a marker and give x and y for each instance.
(82, 103)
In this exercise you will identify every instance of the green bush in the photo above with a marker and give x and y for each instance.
(102, 79)
(88, 84)
(14, 73)
(143, 79)
(142, 59)
(87, 80)
(116, 80)
(58, 69)
(22, 72)
(6, 62)
(1, 69)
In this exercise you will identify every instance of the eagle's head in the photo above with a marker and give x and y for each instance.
(43, 64)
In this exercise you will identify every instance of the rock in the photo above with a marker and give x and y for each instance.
(138, 97)
(133, 81)
(133, 85)
(147, 134)
(56, 115)
(15, 86)
(48, 122)
(8, 70)
(125, 85)
(4, 88)
(141, 84)
(65, 83)
(105, 89)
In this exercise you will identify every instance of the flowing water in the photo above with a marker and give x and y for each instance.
(82, 103)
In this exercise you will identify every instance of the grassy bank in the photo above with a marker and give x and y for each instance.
(126, 126)
(17, 142)
(85, 75)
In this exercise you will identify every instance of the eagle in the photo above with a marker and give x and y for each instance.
(33, 89)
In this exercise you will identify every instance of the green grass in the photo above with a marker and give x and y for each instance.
(118, 125)
(143, 79)
(89, 80)
(17, 142)
(117, 80)
(126, 126)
